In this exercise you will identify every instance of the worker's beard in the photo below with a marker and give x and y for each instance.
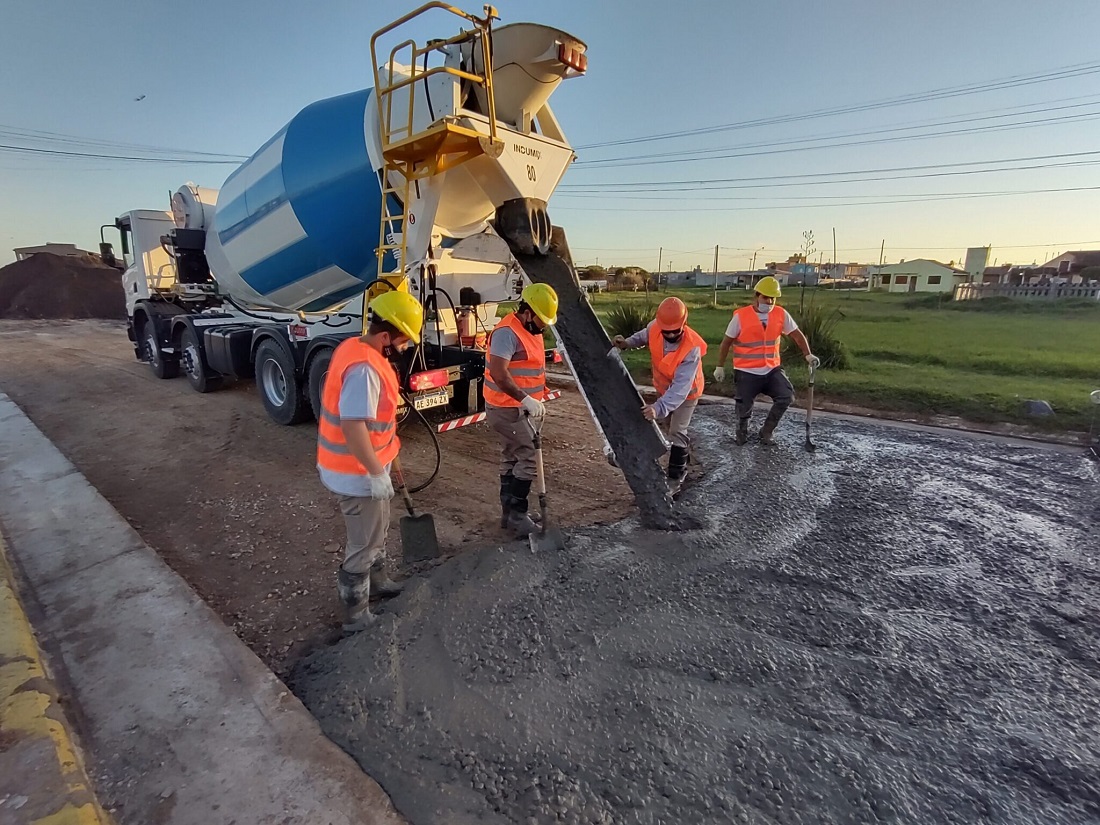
(532, 327)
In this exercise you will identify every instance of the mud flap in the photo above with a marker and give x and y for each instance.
(612, 397)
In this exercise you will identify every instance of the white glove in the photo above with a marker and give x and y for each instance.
(381, 487)
(719, 374)
(532, 406)
(813, 361)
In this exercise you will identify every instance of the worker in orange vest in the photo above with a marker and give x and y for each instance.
(755, 333)
(514, 391)
(676, 355)
(357, 442)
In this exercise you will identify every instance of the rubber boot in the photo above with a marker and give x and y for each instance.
(767, 432)
(505, 498)
(742, 431)
(677, 467)
(518, 519)
(354, 590)
(381, 585)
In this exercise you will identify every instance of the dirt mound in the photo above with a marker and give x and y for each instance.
(57, 286)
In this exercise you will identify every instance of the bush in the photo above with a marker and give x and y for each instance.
(818, 324)
(626, 319)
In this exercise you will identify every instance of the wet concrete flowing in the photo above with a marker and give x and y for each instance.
(609, 388)
(901, 628)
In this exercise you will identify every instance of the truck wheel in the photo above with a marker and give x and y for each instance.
(278, 383)
(164, 366)
(318, 369)
(199, 376)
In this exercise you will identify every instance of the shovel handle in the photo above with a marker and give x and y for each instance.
(402, 487)
(536, 441)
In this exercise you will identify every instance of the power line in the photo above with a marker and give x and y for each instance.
(1010, 82)
(706, 154)
(792, 148)
(769, 181)
(899, 199)
(102, 156)
(25, 134)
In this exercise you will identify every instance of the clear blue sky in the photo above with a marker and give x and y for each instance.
(223, 76)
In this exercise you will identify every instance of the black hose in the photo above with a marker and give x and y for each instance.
(454, 311)
(435, 445)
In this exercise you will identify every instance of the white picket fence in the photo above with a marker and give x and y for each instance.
(974, 292)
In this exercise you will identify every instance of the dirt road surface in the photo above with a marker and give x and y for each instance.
(231, 500)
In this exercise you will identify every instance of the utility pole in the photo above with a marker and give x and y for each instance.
(834, 258)
(660, 256)
(714, 301)
(881, 252)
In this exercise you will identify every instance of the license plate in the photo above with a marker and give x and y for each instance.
(437, 398)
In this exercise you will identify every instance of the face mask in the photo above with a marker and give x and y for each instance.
(391, 349)
(765, 308)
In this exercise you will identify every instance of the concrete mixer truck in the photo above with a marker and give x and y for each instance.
(434, 181)
(410, 185)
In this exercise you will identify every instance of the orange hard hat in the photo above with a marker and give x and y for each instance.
(672, 314)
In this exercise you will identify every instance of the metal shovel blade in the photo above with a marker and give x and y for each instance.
(547, 540)
(418, 539)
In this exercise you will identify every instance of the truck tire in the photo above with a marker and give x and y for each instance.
(199, 375)
(277, 381)
(318, 369)
(164, 366)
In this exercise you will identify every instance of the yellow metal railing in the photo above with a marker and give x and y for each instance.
(398, 139)
(442, 144)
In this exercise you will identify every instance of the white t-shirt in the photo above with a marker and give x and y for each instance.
(734, 329)
(359, 398)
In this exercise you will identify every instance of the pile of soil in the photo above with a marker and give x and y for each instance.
(59, 286)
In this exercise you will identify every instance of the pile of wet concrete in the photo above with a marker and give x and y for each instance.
(902, 627)
(61, 286)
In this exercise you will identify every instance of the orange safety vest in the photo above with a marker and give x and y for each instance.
(332, 448)
(756, 346)
(664, 366)
(528, 373)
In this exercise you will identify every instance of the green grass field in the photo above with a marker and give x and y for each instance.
(920, 354)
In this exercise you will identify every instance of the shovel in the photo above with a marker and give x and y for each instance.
(810, 446)
(418, 539)
(546, 538)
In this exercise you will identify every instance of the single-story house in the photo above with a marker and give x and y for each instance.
(919, 275)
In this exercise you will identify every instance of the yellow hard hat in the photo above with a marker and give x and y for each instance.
(769, 287)
(543, 300)
(402, 310)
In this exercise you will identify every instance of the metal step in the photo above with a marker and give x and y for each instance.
(610, 393)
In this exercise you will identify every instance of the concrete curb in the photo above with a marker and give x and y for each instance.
(182, 723)
(42, 775)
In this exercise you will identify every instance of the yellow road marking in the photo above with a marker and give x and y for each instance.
(25, 706)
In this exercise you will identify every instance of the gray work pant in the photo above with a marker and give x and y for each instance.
(368, 524)
(517, 448)
(678, 423)
(748, 385)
